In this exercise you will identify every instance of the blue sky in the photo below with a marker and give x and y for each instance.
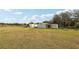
(27, 15)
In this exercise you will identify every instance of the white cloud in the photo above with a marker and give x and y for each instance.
(41, 18)
(35, 17)
(46, 15)
(10, 20)
(25, 17)
(58, 12)
(66, 10)
(14, 20)
(7, 10)
(18, 13)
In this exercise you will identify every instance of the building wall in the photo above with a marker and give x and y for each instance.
(31, 26)
(54, 25)
(41, 26)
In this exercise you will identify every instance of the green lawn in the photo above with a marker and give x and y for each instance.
(20, 37)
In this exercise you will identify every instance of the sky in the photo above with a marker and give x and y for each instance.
(27, 15)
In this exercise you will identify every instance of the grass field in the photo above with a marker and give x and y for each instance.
(20, 37)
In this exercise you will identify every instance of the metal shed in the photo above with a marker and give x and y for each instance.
(53, 25)
(42, 25)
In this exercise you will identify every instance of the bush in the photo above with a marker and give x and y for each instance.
(77, 25)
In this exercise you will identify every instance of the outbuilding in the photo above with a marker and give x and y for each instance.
(42, 25)
(33, 25)
(53, 25)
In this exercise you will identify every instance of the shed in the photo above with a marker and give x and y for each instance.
(42, 25)
(53, 25)
(33, 25)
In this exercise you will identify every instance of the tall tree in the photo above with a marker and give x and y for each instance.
(56, 19)
(65, 19)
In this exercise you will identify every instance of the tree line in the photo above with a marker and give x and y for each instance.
(12, 24)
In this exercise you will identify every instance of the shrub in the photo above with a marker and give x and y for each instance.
(77, 25)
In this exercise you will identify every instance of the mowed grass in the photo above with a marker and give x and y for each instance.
(20, 37)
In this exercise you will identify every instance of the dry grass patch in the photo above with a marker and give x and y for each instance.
(19, 37)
